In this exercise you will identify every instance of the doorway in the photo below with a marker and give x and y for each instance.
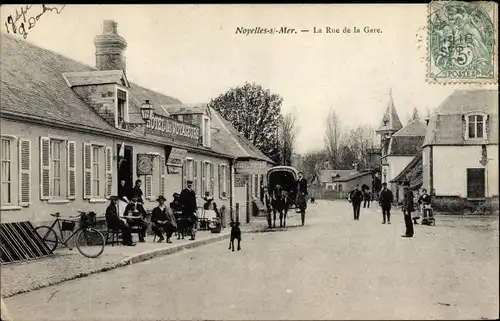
(125, 167)
(476, 182)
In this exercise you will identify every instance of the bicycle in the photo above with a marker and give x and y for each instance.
(87, 238)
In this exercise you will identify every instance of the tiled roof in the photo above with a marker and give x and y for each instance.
(390, 120)
(412, 173)
(96, 77)
(325, 175)
(33, 84)
(446, 126)
(405, 145)
(235, 143)
(352, 176)
(183, 109)
(414, 128)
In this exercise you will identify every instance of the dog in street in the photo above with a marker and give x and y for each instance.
(235, 235)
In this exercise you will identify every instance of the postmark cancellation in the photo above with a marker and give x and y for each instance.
(462, 42)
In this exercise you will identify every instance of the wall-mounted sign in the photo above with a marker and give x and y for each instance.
(245, 167)
(175, 156)
(172, 127)
(144, 164)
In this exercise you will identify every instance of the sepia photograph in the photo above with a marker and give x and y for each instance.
(249, 161)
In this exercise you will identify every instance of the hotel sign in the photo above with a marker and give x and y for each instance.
(171, 127)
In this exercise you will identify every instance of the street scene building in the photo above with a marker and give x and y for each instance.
(72, 133)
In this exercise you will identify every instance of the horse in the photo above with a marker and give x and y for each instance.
(279, 204)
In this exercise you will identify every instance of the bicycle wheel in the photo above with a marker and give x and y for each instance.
(48, 236)
(90, 242)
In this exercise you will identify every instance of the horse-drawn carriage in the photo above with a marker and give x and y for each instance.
(286, 177)
(285, 197)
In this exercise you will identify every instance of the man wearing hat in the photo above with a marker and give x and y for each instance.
(188, 202)
(162, 218)
(408, 208)
(385, 201)
(136, 210)
(114, 222)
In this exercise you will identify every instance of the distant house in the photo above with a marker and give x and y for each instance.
(325, 178)
(348, 182)
(460, 150)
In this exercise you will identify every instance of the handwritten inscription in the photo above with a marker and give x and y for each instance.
(27, 18)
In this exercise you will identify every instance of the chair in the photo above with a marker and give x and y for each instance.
(115, 236)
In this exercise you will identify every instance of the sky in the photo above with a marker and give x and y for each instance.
(193, 53)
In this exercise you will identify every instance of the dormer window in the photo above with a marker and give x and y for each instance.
(121, 108)
(476, 126)
(205, 129)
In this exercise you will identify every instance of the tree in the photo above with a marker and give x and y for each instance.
(312, 162)
(288, 133)
(355, 146)
(333, 131)
(254, 112)
(414, 114)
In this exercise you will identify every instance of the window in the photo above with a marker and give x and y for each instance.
(122, 108)
(56, 149)
(188, 171)
(97, 171)
(206, 131)
(476, 126)
(256, 186)
(223, 181)
(15, 172)
(155, 183)
(207, 178)
(6, 171)
(188, 119)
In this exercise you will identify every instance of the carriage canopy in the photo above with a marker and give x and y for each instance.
(285, 176)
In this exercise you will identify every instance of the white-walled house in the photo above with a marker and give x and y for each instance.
(460, 150)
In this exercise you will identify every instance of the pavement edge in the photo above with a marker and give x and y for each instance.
(144, 256)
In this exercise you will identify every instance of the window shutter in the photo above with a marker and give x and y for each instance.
(108, 154)
(184, 174)
(203, 178)
(196, 182)
(44, 168)
(162, 175)
(24, 172)
(148, 187)
(71, 170)
(212, 179)
(221, 177)
(87, 171)
(228, 181)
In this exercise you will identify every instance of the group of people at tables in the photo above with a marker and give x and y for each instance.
(125, 215)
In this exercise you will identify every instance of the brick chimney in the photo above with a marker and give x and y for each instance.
(109, 48)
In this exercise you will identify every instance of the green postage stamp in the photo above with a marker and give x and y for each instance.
(462, 42)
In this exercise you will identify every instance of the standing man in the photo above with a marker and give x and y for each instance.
(188, 202)
(268, 204)
(301, 200)
(385, 201)
(367, 195)
(408, 208)
(356, 197)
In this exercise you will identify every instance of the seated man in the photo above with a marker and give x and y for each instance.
(134, 208)
(163, 219)
(114, 222)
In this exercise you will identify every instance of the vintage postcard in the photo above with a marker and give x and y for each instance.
(249, 161)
